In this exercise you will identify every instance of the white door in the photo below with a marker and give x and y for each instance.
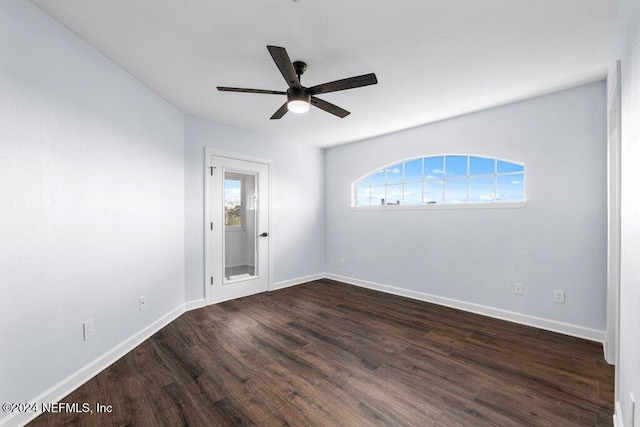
(239, 228)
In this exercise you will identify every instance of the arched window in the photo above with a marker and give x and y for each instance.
(446, 179)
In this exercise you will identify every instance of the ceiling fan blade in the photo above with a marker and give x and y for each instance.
(239, 89)
(329, 107)
(281, 112)
(282, 60)
(344, 84)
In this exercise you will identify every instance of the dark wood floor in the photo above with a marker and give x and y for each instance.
(326, 353)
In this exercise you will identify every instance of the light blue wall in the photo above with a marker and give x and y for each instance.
(91, 203)
(558, 241)
(297, 201)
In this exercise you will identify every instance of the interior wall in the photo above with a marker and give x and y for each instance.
(627, 50)
(474, 256)
(297, 221)
(91, 203)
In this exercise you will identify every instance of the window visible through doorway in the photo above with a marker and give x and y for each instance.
(233, 206)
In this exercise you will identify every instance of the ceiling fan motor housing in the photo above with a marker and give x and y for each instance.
(298, 95)
(298, 100)
(300, 67)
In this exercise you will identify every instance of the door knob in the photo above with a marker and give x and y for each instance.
(265, 234)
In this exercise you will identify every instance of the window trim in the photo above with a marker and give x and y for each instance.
(466, 205)
(470, 205)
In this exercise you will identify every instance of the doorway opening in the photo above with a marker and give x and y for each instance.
(237, 247)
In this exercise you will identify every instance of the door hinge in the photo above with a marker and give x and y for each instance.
(212, 280)
(211, 226)
(211, 170)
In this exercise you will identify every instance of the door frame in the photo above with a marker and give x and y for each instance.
(614, 156)
(208, 217)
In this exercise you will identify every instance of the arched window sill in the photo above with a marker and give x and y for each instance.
(503, 205)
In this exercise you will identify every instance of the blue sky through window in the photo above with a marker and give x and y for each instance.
(412, 193)
(482, 189)
(394, 174)
(482, 166)
(506, 167)
(433, 192)
(455, 190)
(449, 179)
(413, 171)
(510, 188)
(455, 166)
(433, 167)
(232, 192)
(378, 178)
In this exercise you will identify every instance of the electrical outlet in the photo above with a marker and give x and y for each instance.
(88, 329)
(342, 262)
(558, 296)
(518, 288)
(141, 302)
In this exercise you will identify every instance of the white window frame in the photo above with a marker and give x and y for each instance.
(444, 205)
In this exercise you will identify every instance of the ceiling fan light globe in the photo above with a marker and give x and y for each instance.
(298, 106)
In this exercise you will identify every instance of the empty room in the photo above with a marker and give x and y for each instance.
(294, 212)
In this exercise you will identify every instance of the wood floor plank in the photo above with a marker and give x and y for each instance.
(327, 353)
(526, 406)
(381, 404)
(518, 371)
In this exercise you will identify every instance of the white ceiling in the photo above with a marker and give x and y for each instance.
(434, 59)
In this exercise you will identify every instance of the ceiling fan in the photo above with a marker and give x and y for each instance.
(299, 98)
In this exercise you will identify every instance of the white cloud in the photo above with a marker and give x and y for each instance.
(364, 191)
(516, 182)
(232, 195)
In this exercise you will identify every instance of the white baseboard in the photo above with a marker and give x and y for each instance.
(84, 374)
(297, 281)
(609, 353)
(524, 319)
(194, 304)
